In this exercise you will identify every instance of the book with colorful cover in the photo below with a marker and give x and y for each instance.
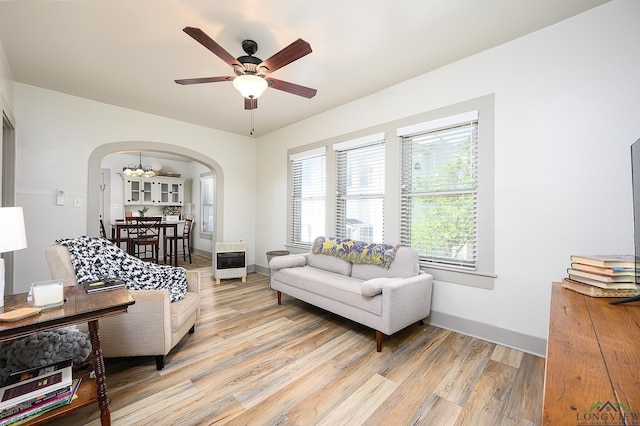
(25, 405)
(22, 375)
(34, 387)
(43, 407)
(606, 260)
(603, 278)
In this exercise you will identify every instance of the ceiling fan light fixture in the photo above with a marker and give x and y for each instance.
(250, 86)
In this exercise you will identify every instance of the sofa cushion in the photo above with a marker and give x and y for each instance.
(292, 261)
(342, 289)
(374, 286)
(355, 251)
(329, 263)
(404, 265)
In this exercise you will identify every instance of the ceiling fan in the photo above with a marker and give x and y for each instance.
(251, 73)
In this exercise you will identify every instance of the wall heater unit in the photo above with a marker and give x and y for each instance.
(230, 261)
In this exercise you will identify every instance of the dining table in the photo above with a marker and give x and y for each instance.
(118, 226)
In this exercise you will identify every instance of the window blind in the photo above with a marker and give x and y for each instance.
(439, 194)
(308, 182)
(360, 186)
(206, 201)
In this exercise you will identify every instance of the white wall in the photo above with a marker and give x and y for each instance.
(6, 97)
(6, 86)
(56, 134)
(567, 102)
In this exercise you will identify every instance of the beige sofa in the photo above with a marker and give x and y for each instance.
(385, 299)
(153, 325)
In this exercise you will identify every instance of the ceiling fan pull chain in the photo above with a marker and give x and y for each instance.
(252, 126)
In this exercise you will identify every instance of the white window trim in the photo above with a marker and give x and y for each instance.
(439, 123)
(359, 142)
(308, 154)
(484, 275)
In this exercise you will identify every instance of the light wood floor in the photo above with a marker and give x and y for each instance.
(198, 260)
(251, 361)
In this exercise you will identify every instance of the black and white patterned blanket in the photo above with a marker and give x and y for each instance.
(94, 257)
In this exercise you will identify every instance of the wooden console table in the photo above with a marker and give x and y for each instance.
(79, 307)
(592, 373)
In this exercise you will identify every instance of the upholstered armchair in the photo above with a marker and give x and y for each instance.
(153, 325)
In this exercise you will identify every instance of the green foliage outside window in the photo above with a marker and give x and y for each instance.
(443, 201)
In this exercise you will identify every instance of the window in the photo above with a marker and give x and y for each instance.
(439, 182)
(360, 180)
(206, 203)
(425, 181)
(308, 182)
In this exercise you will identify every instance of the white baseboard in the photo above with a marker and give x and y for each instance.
(501, 336)
(261, 270)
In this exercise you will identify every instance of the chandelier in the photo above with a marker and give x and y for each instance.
(138, 171)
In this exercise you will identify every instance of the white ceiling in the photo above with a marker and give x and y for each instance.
(129, 52)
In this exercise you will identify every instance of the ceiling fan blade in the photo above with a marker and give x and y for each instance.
(198, 35)
(203, 80)
(295, 89)
(250, 103)
(292, 52)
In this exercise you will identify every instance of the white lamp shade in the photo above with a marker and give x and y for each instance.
(250, 86)
(12, 233)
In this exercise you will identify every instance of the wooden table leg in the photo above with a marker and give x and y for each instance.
(101, 377)
(175, 246)
(164, 245)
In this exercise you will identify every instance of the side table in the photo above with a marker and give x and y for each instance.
(79, 307)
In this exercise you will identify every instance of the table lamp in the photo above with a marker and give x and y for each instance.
(12, 237)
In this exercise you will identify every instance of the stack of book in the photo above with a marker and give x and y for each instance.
(31, 393)
(603, 275)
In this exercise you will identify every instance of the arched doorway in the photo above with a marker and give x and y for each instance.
(95, 160)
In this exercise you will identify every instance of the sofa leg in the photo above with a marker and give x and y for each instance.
(421, 322)
(378, 341)
(159, 362)
(279, 297)
(192, 329)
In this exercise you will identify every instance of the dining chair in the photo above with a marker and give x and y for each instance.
(103, 234)
(131, 230)
(145, 239)
(185, 237)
